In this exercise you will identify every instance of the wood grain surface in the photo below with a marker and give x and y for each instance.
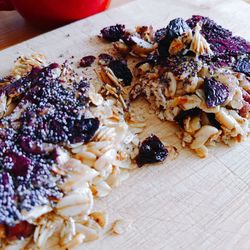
(188, 203)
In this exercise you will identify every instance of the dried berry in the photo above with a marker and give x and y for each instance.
(159, 34)
(86, 61)
(105, 59)
(20, 230)
(20, 163)
(121, 71)
(84, 130)
(216, 93)
(113, 33)
(243, 66)
(151, 150)
(175, 29)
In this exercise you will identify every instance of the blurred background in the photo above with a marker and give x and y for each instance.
(14, 28)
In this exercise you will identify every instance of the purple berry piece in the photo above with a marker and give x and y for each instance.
(87, 61)
(30, 146)
(159, 34)
(243, 66)
(121, 71)
(84, 130)
(216, 93)
(113, 33)
(175, 29)
(151, 150)
(105, 59)
(20, 164)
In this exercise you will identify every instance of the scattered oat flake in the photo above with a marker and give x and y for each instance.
(121, 226)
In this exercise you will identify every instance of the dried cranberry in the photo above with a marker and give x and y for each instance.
(21, 164)
(105, 59)
(86, 61)
(113, 33)
(84, 130)
(243, 66)
(121, 71)
(175, 29)
(30, 146)
(216, 93)
(159, 34)
(20, 230)
(151, 150)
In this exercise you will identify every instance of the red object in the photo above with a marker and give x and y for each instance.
(53, 12)
(23, 229)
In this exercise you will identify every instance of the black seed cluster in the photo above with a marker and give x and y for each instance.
(182, 64)
(51, 115)
(105, 59)
(87, 61)
(113, 33)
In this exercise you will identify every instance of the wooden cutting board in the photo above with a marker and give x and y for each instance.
(189, 203)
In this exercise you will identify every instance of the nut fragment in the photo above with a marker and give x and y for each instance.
(100, 218)
(120, 226)
(202, 136)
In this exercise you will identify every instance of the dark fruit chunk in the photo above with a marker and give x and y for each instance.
(243, 66)
(216, 93)
(113, 33)
(159, 34)
(121, 71)
(86, 61)
(175, 29)
(23, 229)
(151, 150)
(30, 146)
(84, 130)
(20, 164)
(185, 114)
(105, 59)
